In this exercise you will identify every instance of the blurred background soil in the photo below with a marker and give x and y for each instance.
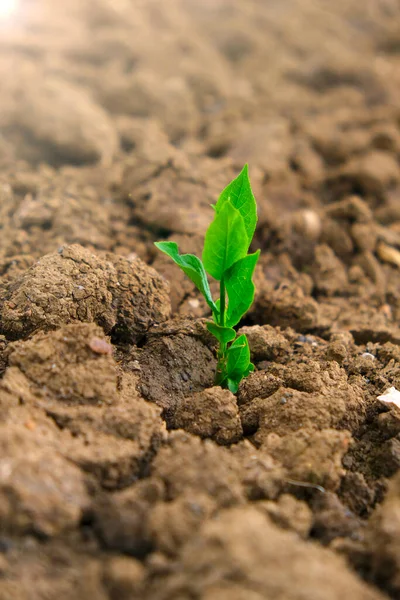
(124, 474)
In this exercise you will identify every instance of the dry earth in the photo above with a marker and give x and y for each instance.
(124, 474)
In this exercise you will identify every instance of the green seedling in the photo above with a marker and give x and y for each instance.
(226, 259)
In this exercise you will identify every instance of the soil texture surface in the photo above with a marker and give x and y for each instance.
(125, 474)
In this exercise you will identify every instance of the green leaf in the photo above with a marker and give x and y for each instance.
(192, 266)
(225, 242)
(250, 369)
(233, 385)
(240, 288)
(223, 334)
(238, 359)
(217, 310)
(240, 194)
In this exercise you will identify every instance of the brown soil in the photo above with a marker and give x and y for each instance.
(124, 473)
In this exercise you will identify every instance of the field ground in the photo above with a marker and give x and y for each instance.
(124, 474)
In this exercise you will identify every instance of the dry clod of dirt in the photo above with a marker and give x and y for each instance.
(240, 554)
(38, 570)
(108, 429)
(389, 422)
(121, 520)
(365, 236)
(332, 520)
(114, 445)
(47, 209)
(351, 209)
(267, 145)
(259, 384)
(54, 120)
(173, 523)
(372, 174)
(123, 297)
(309, 455)
(194, 185)
(328, 272)
(124, 578)
(3, 354)
(262, 477)
(212, 413)
(266, 343)
(360, 493)
(140, 298)
(175, 362)
(287, 306)
(309, 397)
(336, 351)
(41, 492)
(289, 513)
(188, 463)
(283, 411)
(336, 235)
(384, 539)
(63, 365)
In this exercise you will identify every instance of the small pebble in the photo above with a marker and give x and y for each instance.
(100, 346)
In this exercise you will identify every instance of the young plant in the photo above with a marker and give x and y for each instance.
(225, 257)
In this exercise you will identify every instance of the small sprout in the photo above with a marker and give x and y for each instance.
(225, 257)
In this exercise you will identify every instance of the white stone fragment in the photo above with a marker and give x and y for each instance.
(391, 396)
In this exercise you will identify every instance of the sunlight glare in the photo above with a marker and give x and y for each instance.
(7, 8)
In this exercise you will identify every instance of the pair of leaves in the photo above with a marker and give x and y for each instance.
(225, 258)
(223, 334)
(238, 364)
(240, 288)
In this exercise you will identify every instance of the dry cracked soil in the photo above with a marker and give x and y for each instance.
(125, 474)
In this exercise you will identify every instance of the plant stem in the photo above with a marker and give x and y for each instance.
(222, 302)
(221, 365)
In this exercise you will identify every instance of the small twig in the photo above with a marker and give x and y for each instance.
(306, 485)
